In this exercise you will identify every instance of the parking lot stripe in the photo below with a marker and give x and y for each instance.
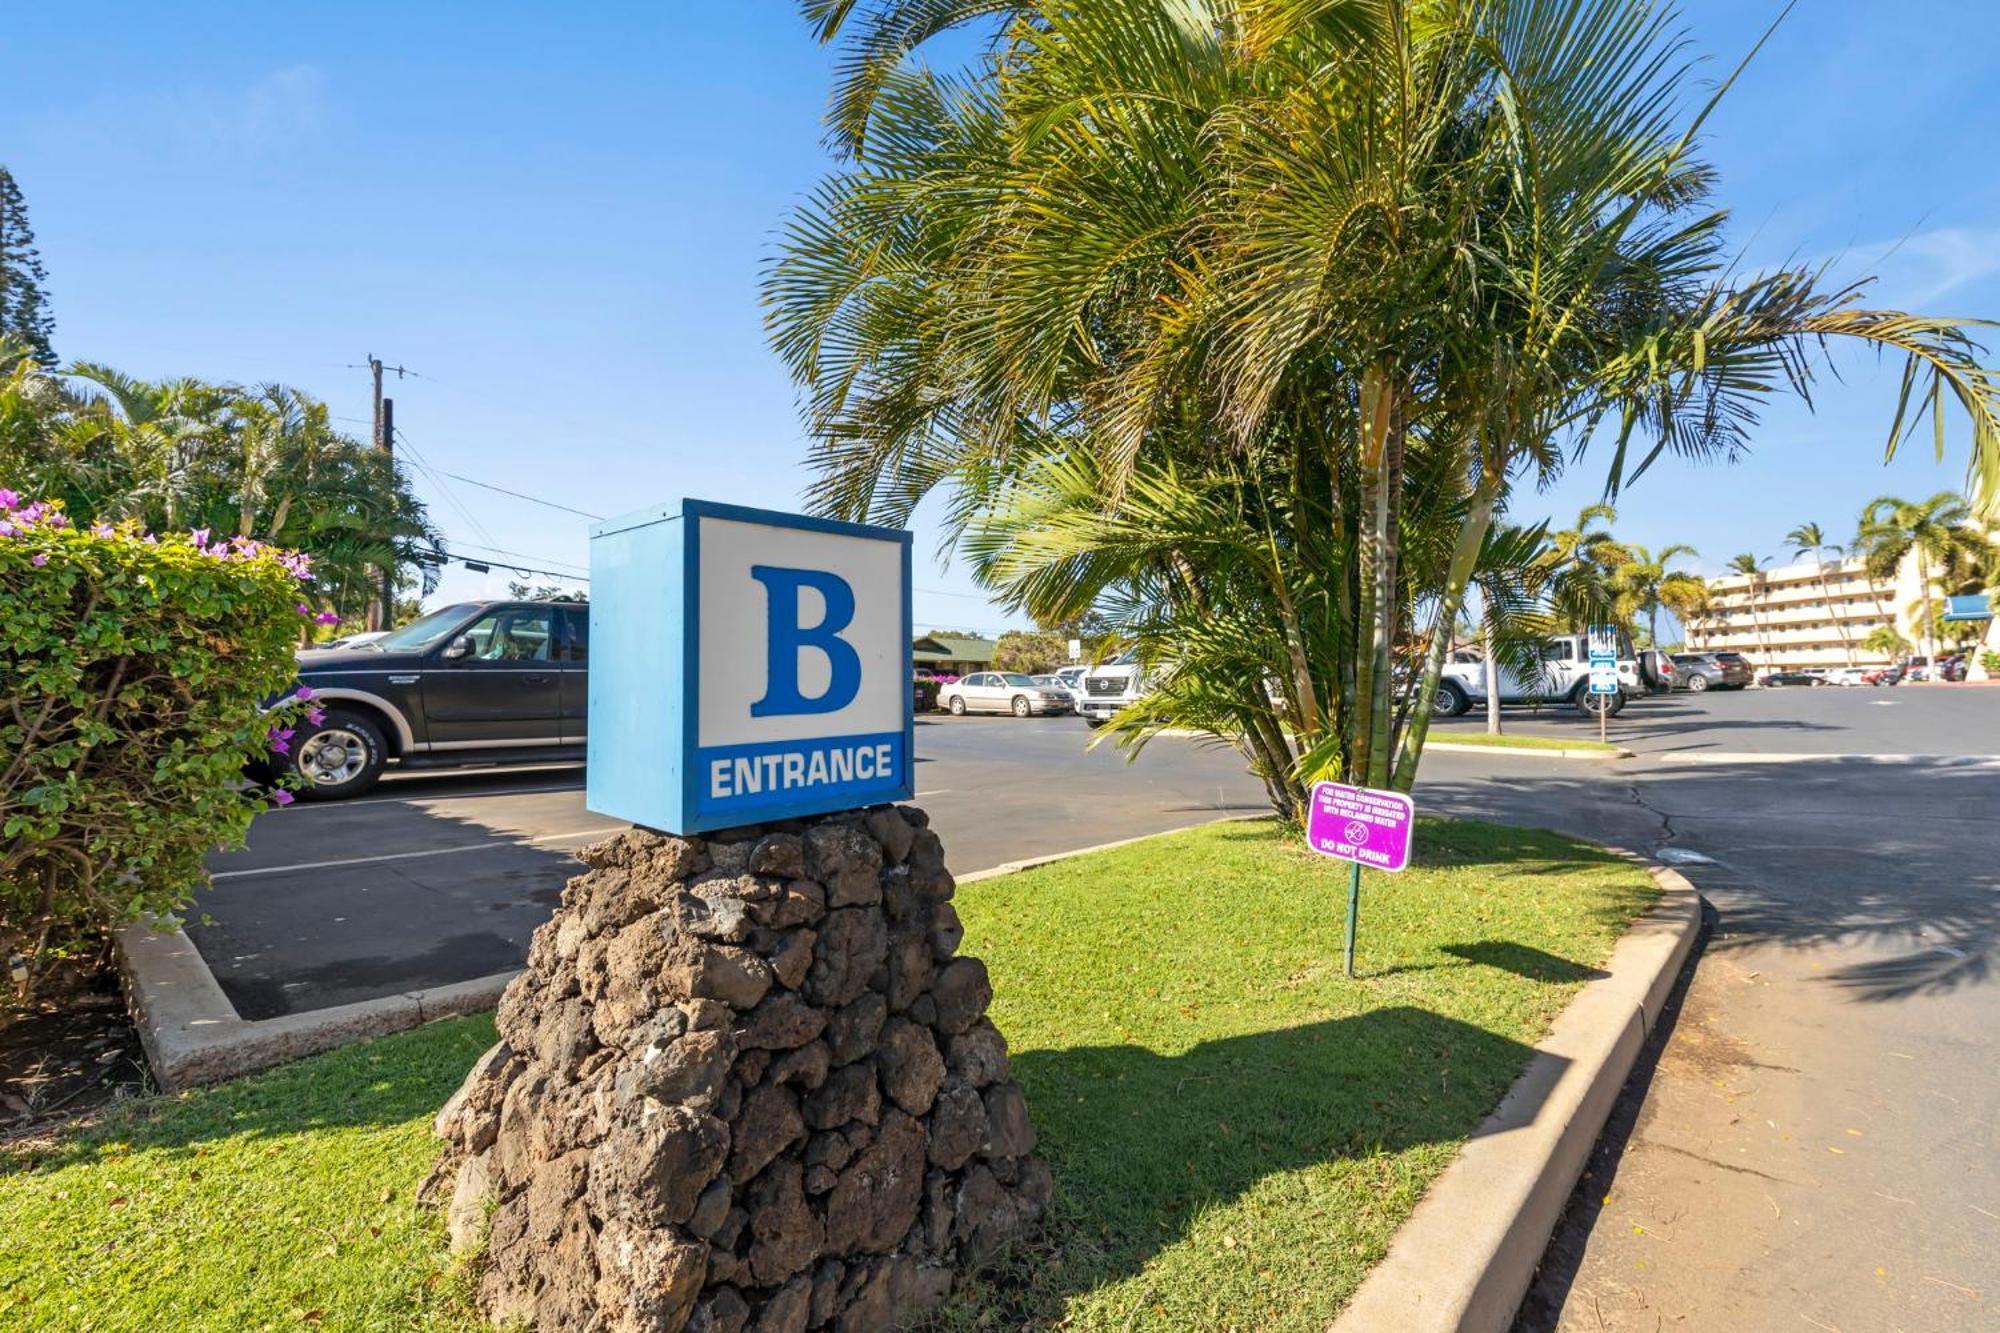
(405, 856)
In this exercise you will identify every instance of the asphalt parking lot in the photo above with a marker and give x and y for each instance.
(435, 878)
(1763, 1167)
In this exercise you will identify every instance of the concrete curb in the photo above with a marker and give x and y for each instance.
(192, 1034)
(1527, 751)
(1030, 862)
(1463, 1261)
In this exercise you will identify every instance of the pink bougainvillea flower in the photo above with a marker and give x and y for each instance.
(102, 530)
(200, 536)
(41, 558)
(315, 716)
(279, 796)
(8, 499)
(7, 529)
(327, 618)
(303, 692)
(303, 609)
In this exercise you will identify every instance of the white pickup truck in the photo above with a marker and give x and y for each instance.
(1562, 676)
(1108, 687)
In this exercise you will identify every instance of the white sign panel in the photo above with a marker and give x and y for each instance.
(747, 666)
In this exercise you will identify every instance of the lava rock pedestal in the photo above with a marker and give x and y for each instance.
(745, 1083)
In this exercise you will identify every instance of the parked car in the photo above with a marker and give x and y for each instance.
(1657, 671)
(1071, 678)
(1002, 692)
(1776, 679)
(500, 682)
(1699, 672)
(1847, 675)
(1882, 675)
(361, 640)
(1109, 687)
(1562, 676)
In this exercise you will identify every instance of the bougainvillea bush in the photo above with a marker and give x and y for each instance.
(134, 674)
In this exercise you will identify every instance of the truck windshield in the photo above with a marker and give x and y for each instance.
(426, 630)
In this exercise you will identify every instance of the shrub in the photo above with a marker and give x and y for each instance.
(1990, 660)
(133, 676)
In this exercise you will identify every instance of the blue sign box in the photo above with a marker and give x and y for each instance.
(746, 666)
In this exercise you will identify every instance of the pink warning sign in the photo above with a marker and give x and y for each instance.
(1361, 824)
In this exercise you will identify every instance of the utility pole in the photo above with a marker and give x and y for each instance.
(382, 607)
(388, 415)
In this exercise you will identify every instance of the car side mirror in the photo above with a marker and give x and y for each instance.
(458, 647)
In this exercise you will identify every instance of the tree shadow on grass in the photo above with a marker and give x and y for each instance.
(1143, 1144)
(372, 1084)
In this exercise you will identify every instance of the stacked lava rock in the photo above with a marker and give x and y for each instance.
(744, 1084)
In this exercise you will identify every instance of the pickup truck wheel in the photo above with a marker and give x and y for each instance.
(341, 757)
(1449, 700)
(1021, 706)
(958, 705)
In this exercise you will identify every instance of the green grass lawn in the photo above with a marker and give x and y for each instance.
(1508, 741)
(1235, 1128)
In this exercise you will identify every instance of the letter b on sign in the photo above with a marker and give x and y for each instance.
(787, 640)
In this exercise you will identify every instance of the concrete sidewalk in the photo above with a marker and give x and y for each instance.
(1819, 1144)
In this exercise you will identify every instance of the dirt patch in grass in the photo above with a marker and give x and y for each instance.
(70, 1048)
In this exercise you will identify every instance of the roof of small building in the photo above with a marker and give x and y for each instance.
(951, 648)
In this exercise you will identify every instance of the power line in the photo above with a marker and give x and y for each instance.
(489, 486)
(449, 556)
(520, 555)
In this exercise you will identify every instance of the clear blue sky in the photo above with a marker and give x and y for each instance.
(557, 217)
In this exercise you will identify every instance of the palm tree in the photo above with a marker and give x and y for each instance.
(1884, 641)
(1381, 260)
(1752, 566)
(1939, 531)
(184, 453)
(1809, 539)
(1647, 581)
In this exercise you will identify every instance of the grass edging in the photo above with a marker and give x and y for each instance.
(1546, 747)
(1463, 1261)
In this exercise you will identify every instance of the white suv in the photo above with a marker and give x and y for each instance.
(1562, 676)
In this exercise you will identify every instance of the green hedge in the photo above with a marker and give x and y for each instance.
(133, 674)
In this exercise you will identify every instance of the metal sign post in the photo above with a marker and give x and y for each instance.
(1361, 826)
(1603, 642)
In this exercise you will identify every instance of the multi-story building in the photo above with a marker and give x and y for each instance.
(1816, 615)
(1810, 615)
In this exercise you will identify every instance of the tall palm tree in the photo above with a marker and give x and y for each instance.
(1939, 530)
(1808, 539)
(1388, 258)
(1752, 566)
(1646, 581)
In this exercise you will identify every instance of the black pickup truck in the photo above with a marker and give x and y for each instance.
(486, 682)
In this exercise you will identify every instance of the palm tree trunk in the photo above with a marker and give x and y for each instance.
(1380, 477)
(1826, 595)
(1930, 612)
(1492, 683)
(1471, 536)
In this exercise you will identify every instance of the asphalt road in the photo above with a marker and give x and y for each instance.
(436, 878)
(1815, 1145)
